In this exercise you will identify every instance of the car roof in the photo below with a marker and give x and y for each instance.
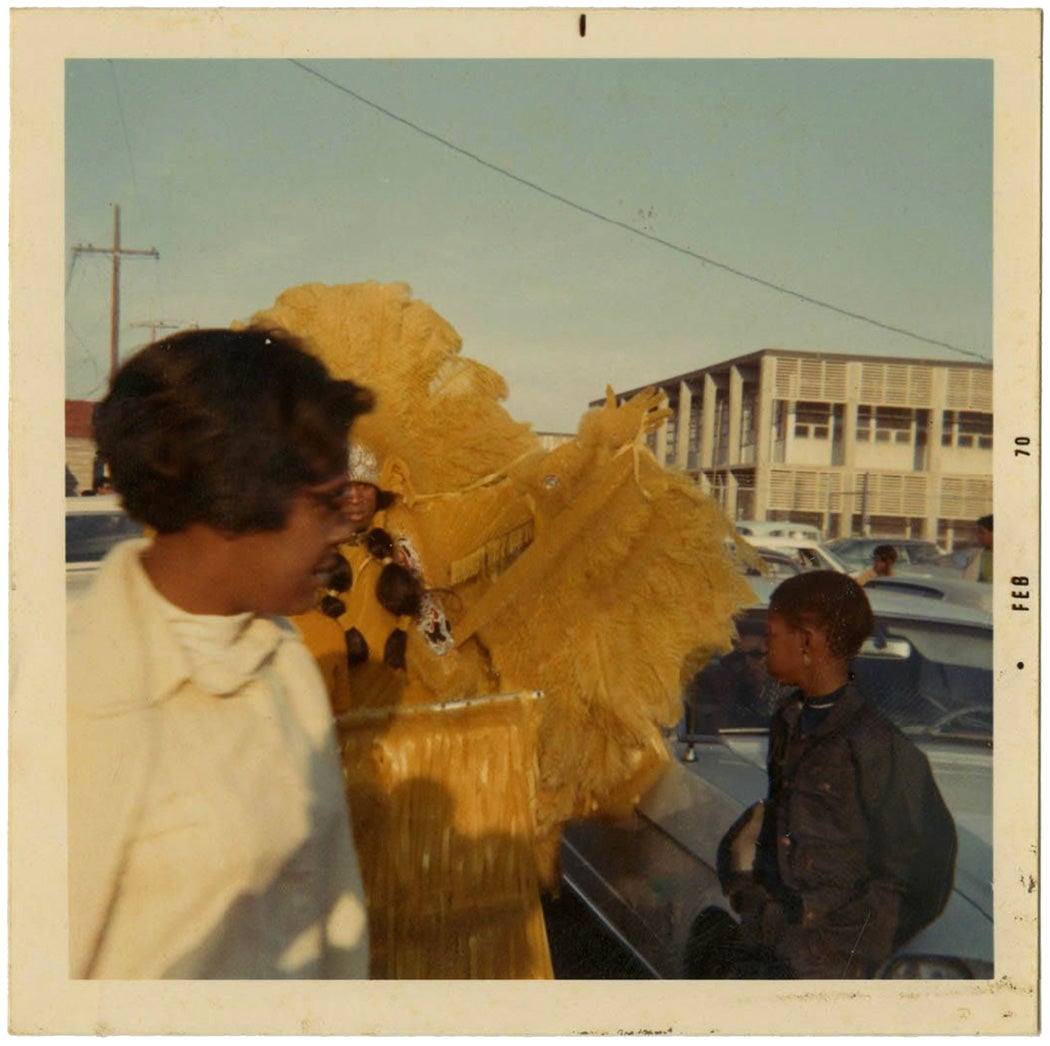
(891, 604)
(906, 542)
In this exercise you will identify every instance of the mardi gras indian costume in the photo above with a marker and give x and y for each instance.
(578, 587)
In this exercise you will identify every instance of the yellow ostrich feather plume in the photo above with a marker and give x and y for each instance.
(589, 572)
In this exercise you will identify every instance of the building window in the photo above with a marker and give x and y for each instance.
(966, 428)
(694, 439)
(721, 427)
(747, 418)
(884, 424)
(812, 420)
(779, 414)
(672, 439)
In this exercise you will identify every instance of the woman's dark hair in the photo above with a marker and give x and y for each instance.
(399, 590)
(332, 606)
(394, 650)
(356, 647)
(341, 576)
(829, 601)
(223, 427)
(379, 543)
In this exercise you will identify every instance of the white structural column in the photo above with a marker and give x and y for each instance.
(935, 452)
(736, 398)
(707, 431)
(736, 387)
(685, 409)
(848, 502)
(661, 443)
(764, 434)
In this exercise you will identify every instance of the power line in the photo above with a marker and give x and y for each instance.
(769, 284)
(123, 125)
(72, 266)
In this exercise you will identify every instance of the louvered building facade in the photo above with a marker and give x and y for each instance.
(854, 444)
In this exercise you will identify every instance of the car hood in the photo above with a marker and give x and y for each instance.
(731, 774)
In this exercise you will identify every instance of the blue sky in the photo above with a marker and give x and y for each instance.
(866, 184)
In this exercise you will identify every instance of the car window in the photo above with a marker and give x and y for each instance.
(91, 535)
(931, 679)
(923, 553)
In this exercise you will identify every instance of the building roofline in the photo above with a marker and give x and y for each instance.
(78, 419)
(754, 357)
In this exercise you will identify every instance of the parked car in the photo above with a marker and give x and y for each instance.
(776, 528)
(93, 526)
(780, 564)
(856, 552)
(928, 665)
(935, 586)
(808, 554)
(956, 561)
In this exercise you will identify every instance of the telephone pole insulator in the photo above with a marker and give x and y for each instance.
(163, 325)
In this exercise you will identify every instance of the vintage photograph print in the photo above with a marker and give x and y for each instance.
(551, 500)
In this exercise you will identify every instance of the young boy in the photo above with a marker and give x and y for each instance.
(853, 827)
(208, 828)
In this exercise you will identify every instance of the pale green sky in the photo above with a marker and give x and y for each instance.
(866, 184)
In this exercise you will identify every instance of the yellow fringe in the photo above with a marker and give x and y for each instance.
(493, 556)
(443, 810)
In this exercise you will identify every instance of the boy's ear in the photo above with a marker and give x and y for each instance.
(810, 637)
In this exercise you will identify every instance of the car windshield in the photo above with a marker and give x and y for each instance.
(89, 536)
(924, 553)
(932, 679)
(850, 551)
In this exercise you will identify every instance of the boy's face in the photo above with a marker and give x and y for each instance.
(784, 649)
(280, 571)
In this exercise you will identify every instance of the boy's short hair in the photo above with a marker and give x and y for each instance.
(223, 427)
(887, 553)
(832, 602)
(986, 522)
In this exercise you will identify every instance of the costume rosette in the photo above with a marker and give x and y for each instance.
(564, 597)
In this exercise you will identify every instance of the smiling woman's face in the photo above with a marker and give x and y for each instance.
(280, 571)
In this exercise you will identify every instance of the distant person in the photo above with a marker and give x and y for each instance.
(979, 568)
(883, 558)
(208, 827)
(71, 483)
(731, 691)
(389, 595)
(855, 847)
(105, 486)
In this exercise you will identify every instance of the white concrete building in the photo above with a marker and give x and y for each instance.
(854, 444)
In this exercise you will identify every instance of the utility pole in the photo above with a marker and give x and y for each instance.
(114, 313)
(163, 325)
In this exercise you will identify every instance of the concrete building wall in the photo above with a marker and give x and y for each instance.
(80, 457)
